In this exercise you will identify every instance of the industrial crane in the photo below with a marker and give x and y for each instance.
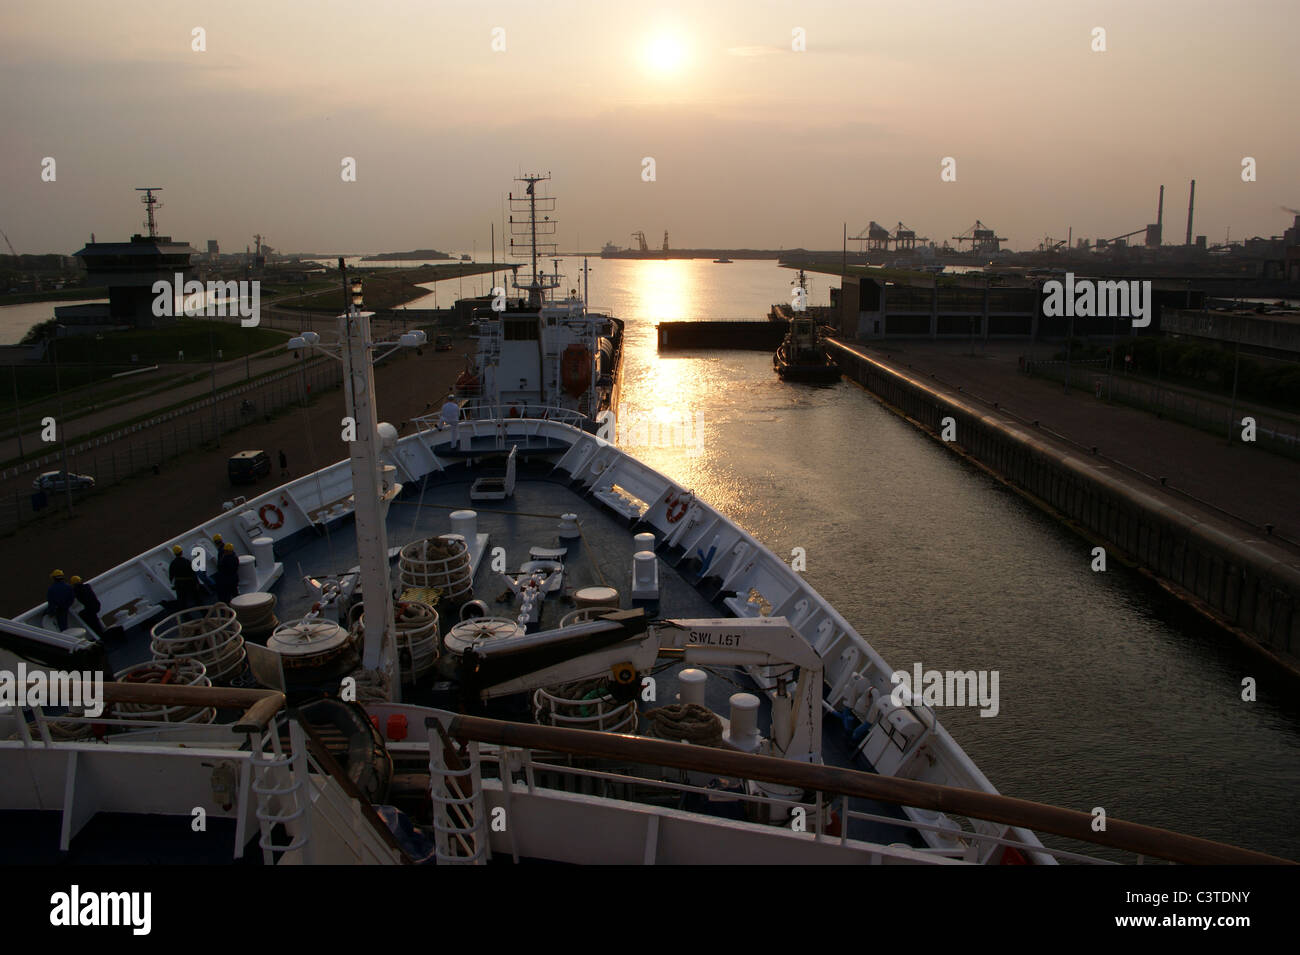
(640, 238)
(874, 235)
(905, 239)
(11, 246)
(981, 238)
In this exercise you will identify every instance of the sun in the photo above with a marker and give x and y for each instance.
(664, 53)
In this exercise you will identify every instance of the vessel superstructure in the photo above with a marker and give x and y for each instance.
(538, 348)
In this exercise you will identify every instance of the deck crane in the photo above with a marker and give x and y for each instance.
(622, 644)
(640, 238)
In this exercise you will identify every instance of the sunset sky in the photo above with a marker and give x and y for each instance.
(755, 144)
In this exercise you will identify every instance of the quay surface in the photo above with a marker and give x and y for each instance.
(1201, 533)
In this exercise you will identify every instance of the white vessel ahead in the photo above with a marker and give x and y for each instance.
(504, 617)
(539, 350)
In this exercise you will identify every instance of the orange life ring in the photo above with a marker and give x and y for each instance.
(279, 516)
(676, 509)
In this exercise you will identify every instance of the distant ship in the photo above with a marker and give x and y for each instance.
(722, 261)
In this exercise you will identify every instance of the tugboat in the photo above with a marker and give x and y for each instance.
(802, 356)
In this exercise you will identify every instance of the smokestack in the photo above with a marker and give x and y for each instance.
(1160, 208)
(1191, 204)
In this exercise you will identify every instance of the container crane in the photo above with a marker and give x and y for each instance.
(981, 238)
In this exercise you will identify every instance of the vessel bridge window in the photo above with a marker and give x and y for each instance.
(521, 330)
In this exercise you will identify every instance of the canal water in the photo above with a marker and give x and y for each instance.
(1109, 695)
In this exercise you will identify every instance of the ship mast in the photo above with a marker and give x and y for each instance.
(373, 485)
(539, 234)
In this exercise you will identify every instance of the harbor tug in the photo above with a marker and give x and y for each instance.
(802, 355)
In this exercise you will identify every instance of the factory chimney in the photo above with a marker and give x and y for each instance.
(1191, 203)
(1160, 208)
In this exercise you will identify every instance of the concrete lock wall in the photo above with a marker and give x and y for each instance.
(1245, 585)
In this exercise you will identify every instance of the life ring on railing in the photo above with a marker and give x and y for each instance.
(279, 516)
(676, 508)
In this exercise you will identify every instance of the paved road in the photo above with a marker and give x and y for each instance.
(1257, 485)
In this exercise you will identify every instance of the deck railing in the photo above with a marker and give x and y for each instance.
(529, 741)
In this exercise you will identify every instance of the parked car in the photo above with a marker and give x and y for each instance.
(55, 480)
(442, 343)
(247, 466)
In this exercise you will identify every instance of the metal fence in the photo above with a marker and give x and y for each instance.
(1273, 431)
(141, 447)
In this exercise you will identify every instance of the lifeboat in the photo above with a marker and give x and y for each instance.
(575, 370)
(467, 383)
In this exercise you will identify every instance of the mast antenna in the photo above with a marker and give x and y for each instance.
(151, 202)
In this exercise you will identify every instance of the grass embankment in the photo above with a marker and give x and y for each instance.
(383, 288)
(85, 360)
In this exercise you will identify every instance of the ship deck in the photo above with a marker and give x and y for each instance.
(530, 518)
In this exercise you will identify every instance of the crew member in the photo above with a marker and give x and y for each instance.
(59, 599)
(89, 605)
(184, 580)
(284, 464)
(209, 566)
(227, 574)
(450, 413)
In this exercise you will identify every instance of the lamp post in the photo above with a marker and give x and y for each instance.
(63, 434)
(18, 417)
(372, 481)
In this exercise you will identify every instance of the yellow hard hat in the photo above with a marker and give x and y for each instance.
(229, 547)
(176, 548)
(216, 538)
(57, 575)
(76, 579)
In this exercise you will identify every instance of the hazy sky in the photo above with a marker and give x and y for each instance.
(754, 144)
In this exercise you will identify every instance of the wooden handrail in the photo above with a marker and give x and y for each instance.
(993, 807)
(259, 706)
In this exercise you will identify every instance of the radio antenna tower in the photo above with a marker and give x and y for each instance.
(538, 235)
(151, 203)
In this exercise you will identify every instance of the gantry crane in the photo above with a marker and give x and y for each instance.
(875, 236)
(981, 238)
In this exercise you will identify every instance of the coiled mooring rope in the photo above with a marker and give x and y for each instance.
(685, 722)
